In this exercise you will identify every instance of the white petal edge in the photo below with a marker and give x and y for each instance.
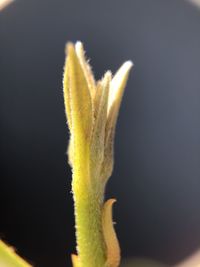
(117, 81)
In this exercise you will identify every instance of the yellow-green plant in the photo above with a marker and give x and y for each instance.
(92, 109)
(8, 257)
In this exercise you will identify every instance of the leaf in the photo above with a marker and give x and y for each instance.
(118, 84)
(86, 68)
(77, 96)
(117, 87)
(66, 92)
(70, 151)
(98, 134)
(9, 258)
(75, 260)
(111, 241)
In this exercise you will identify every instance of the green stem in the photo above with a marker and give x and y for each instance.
(88, 215)
(90, 241)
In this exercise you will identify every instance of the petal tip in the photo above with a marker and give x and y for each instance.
(127, 65)
(68, 47)
(78, 46)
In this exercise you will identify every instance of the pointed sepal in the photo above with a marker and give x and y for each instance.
(77, 96)
(110, 237)
(75, 260)
(117, 87)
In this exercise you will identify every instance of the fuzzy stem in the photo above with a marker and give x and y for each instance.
(88, 214)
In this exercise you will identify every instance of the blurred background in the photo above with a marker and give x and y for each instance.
(156, 179)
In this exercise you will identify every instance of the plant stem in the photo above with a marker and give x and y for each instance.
(88, 213)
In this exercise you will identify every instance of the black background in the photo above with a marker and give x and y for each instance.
(157, 173)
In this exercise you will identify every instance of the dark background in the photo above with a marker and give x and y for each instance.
(157, 173)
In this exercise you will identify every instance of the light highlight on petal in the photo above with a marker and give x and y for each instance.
(118, 84)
